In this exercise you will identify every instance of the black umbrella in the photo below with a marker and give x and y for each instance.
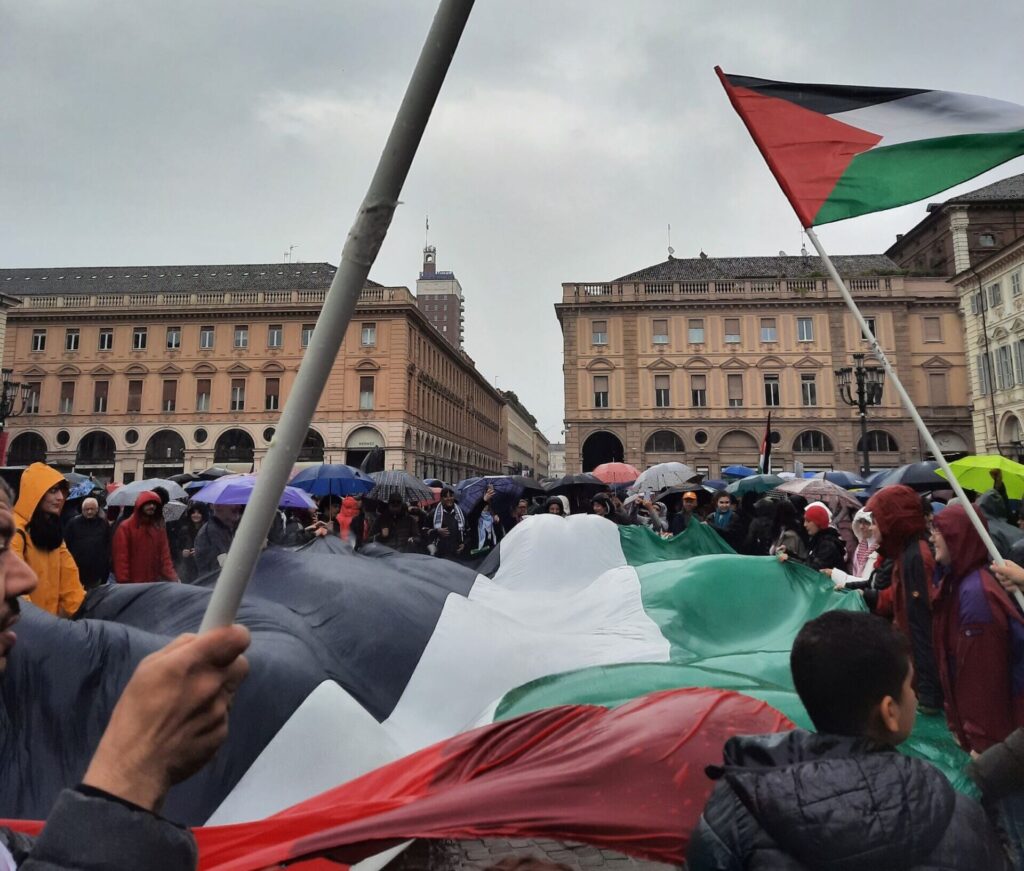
(918, 476)
(213, 472)
(579, 489)
(410, 488)
(373, 461)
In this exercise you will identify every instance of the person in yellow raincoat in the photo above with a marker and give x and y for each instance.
(39, 541)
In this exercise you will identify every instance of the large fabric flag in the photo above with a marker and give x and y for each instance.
(839, 151)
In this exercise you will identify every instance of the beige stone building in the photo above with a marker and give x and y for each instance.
(149, 371)
(526, 446)
(439, 296)
(685, 359)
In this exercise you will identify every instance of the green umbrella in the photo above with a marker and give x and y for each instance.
(975, 473)
(754, 484)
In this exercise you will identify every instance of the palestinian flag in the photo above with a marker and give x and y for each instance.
(394, 695)
(839, 151)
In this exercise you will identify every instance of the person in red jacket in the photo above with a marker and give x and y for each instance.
(979, 638)
(141, 553)
(902, 533)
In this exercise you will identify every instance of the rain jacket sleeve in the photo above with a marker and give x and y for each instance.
(72, 593)
(121, 559)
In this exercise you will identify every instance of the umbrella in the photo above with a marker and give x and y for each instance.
(918, 476)
(76, 478)
(84, 488)
(715, 484)
(818, 489)
(975, 473)
(739, 471)
(754, 484)
(616, 473)
(665, 475)
(575, 484)
(213, 472)
(237, 490)
(333, 480)
(703, 495)
(183, 479)
(410, 488)
(174, 511)
(846, 480)
(195, 486)
(126, 495)
(509, 487)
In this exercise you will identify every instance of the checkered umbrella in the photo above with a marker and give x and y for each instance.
(410, 488)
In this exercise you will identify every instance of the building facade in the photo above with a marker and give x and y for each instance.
(685, 360)
(556, 459)
(439, 296)
(992, 300)
(148, 371)
(526, 446)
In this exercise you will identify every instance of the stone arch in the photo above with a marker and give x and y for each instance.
(360, 442)
(234, 446)
(312, 450)
(26, 448)
(813, 441)
(95, 455)
(601, 447)
(879, 441)
(664, 441)
(165, 455)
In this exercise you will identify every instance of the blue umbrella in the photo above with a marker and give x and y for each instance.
(237, 490)
(333, 480)
(715, 485)
(508, 489)
(739, 471)
(846, 480)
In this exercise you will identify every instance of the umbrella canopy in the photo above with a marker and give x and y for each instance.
(754, 484)
(715, 484)
(738, 471)
(195, 486)
(616, 473)
(237, 490)
(818, 489)
(975, 473)
(214, 472)
(509, 489)
(703, 495)
(183, 479)
(846, 480)
(410, 488)
(665, 475)
(125, 496)
(333, 480)
(918, 476)
(76, 478)
(575, 484)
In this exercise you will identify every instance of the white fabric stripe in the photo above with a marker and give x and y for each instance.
(934, 115)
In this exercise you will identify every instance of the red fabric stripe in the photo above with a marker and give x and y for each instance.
(630, 779)
(807, 152)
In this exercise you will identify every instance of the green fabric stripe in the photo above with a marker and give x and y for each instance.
(641, 546)
(885, 177)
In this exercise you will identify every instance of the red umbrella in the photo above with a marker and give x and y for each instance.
(616, 473)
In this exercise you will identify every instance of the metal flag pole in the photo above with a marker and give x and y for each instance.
(908, 404)
(360, 251)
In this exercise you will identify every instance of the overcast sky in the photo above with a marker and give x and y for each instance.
(567, 137)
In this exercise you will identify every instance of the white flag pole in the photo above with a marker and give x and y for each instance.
(360, 251)
(908, 404)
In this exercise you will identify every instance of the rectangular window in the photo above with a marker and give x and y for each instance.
(238, 394)
(71, 340)
(661, 391)
(735, 383)
(600, 391)
(872, 327)
(769, 332)
(1020, 361)
(67, 397)
(932, 328)
(808, 389)
(32, 403)
(974, 304)
(805, 329)
(368, 335)
(206, 338)
(599, 332)
(366, 393)
(140, 338)
(995, 294)
(99, 396)
(272, 394)
(732, 331)
(937, 393)
(1004, 361)
(134, 397)
(660, 331)
(275, 335)
(771, 390)
(307, 334)
(241, 336)
(170, 396)
(106, 340)
(1015, 283)
(173, 338)
(38, 340)
(695, 331)
(699, 391)
(202, 394)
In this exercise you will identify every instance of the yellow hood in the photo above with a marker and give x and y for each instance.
(35, 481)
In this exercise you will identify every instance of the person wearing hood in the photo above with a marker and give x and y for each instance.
(902, 538)
(602, 506)
(40, 542)
(351, 521)
(557, 505)
(789, 537)
(862, 561)
(760, 530)
(825, 548)
(141, 553)
(979, 638)
(1004, 534)
(842, 797)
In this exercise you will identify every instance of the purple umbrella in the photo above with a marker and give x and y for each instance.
(237, 490)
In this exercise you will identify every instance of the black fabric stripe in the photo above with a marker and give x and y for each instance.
(826, 99)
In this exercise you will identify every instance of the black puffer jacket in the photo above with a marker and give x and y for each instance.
(798, 800)
(826, 550)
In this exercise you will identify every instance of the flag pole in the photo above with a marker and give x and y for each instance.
(908, 404)
(357, 256)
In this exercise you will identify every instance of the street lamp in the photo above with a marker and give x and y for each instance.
(10, 391)
(861, 386)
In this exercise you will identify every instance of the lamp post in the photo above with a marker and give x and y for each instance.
(861, 386)
(10, 391)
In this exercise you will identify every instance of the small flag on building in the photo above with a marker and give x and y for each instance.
(764, 463)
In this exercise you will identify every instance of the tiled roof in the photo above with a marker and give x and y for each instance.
(710, 268)
(71, 280)
(1011, 188)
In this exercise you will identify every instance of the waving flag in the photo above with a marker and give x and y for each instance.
(839, 151)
